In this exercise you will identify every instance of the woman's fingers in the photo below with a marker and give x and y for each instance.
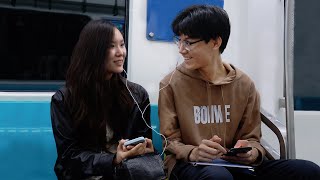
(121, 142)
(149, 147)
(149, 143)
(137, 150)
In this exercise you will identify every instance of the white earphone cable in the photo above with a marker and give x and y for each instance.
(142, 112)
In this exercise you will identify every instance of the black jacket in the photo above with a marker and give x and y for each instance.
(75, 162)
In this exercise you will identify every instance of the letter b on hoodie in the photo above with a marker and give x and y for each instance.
(201, 114)
(196, 114)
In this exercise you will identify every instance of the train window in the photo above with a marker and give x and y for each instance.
(306, 56)
(37, 38)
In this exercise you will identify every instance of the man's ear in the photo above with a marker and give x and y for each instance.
(216, 42)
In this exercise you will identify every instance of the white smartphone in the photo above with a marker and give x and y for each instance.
(134, 141)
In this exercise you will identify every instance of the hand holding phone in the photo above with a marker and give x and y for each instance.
(235, 151)
(134, 141)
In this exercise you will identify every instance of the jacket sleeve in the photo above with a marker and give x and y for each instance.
(72, 158)
(169, 124)
(250, 125)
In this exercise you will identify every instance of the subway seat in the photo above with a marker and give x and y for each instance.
(27, 147)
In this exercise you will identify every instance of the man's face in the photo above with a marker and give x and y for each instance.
(196, 55)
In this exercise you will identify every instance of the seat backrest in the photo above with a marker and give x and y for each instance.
(156, 138)
(27, 142)
(27, 147)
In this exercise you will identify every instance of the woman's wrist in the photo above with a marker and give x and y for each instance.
(116, 159)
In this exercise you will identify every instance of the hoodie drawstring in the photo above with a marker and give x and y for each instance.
(223, 114)
(224, 117)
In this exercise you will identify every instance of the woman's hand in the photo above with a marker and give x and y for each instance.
(208, 150)
(243, 158)
(124, 152)
(149, 146)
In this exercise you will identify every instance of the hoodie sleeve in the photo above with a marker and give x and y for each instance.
(169, 124)
(73, 160)
(250, 126)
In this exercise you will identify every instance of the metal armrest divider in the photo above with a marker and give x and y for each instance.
(279, 130)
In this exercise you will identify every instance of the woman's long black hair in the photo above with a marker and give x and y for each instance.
(95, 101)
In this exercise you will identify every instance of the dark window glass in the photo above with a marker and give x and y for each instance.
(306, 55)
(36, 42)
(37, 45)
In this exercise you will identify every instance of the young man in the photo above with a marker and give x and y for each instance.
(207, 106)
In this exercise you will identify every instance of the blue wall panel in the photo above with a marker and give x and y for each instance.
(160, 14)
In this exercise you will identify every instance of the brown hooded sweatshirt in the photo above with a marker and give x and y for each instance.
(192, 108)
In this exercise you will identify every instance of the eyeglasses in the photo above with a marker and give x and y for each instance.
(186, 44)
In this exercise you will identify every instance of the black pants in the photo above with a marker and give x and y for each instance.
(269, 169)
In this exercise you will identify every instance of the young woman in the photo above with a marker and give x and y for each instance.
(94, 114)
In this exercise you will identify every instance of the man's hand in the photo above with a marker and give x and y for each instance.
(208, 150)
(243, 158)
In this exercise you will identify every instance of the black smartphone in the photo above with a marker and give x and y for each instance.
(235, 151)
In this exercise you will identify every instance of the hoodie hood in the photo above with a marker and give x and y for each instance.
(233, 74)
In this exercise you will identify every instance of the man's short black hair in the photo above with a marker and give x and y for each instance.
(205, 22)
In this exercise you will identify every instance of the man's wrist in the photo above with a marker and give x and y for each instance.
(190, 154)
(258, 154)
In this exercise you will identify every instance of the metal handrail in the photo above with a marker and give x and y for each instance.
(279, 130)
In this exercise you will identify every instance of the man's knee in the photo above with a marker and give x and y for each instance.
(307, 169)
(215, 172)
(187, 171)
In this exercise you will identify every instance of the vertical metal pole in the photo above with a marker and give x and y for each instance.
(13, 2)
(84, 6)
(49, 4)
(288, 68)
(126, 33)
(115, 8)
